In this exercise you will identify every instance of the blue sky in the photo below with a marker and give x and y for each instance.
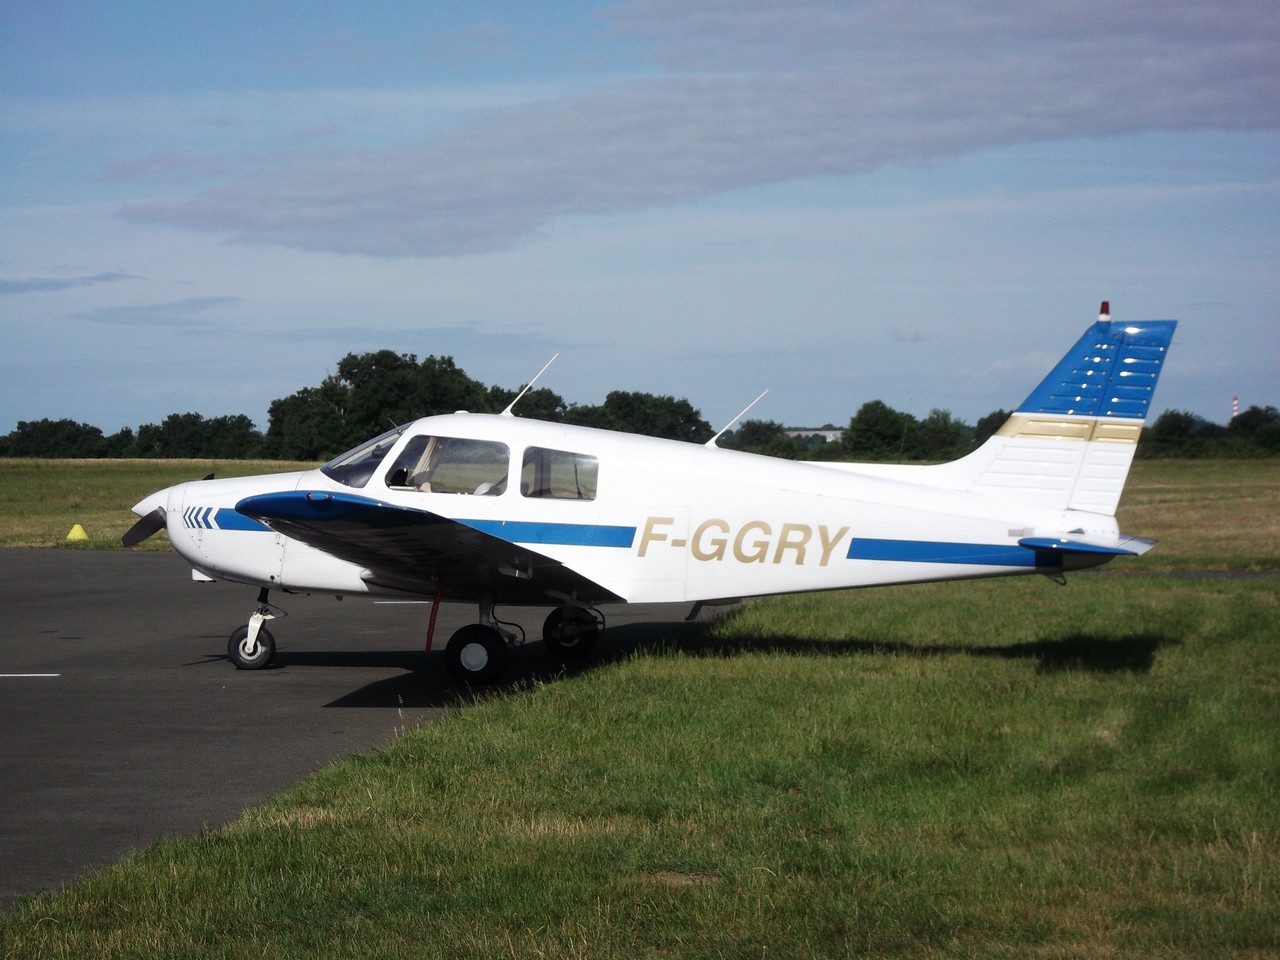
(205, 206)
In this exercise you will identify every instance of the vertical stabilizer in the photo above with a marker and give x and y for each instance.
(1069, 445)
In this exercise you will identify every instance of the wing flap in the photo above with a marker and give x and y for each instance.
(419, 551)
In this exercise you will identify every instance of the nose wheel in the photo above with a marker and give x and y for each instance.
(252, 646)
(251, 656)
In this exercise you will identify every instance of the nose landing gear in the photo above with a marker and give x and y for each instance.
(252, 646)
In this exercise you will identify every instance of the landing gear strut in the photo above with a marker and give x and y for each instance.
(252, 646)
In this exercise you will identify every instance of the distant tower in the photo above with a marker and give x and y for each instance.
(1235, 407)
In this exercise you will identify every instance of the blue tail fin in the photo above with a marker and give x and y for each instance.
(1070, 444)
(1110, 373)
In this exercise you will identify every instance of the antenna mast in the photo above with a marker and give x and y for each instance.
(528, 386)
(725, 428)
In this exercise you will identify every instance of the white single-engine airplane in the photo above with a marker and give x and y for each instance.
(495, 509)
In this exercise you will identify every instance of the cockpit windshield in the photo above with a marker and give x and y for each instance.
(431, 464)
(357, 465)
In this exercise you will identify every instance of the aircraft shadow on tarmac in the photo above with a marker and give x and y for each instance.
(425, 683)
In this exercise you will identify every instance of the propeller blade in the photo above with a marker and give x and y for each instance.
(150, 524)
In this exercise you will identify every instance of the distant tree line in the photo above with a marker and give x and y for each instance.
(371, 392)
(1254, 432)
(877, 432)
(181, 435)
(366, 395)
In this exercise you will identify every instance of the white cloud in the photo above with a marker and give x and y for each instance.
(759, 93)
(55, 284)
(188, 313)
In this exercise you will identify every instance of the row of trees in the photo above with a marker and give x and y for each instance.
(181, 435)
(365, 395)
(877, 432)
(370, 392)
(1254, 432)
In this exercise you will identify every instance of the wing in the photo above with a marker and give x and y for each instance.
(418, 551)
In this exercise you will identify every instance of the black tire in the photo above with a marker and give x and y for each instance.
(261, 658)
(476, 655)
(570, 633)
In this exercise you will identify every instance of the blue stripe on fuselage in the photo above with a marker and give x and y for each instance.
(321, 506)
(928, 551)
(228, 519)
(560, 534)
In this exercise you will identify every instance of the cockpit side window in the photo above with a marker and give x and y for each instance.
(357, 465)
(558, 474)
(451, 465)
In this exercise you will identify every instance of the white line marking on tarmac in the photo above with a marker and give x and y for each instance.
(15, 676)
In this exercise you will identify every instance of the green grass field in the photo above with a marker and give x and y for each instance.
(40, 500)
(986, 769)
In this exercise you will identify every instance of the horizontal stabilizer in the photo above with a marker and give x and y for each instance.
(1128, 546)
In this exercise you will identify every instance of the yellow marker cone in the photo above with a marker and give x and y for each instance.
(77, 533)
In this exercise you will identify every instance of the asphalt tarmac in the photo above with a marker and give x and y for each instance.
(122, 722)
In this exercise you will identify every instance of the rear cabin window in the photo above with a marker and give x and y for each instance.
(451, 465)
(558, 474)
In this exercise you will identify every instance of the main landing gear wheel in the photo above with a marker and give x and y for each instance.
(476, 654)
(238, 648)
(570, 633)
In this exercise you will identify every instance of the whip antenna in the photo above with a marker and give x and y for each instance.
(528, 386)
(725, 428)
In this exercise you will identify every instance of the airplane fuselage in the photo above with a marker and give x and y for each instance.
(668, 521)
(496, 509)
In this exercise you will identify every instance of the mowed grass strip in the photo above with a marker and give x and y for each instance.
(1207, 514)
(40, 500)
(989, 769)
